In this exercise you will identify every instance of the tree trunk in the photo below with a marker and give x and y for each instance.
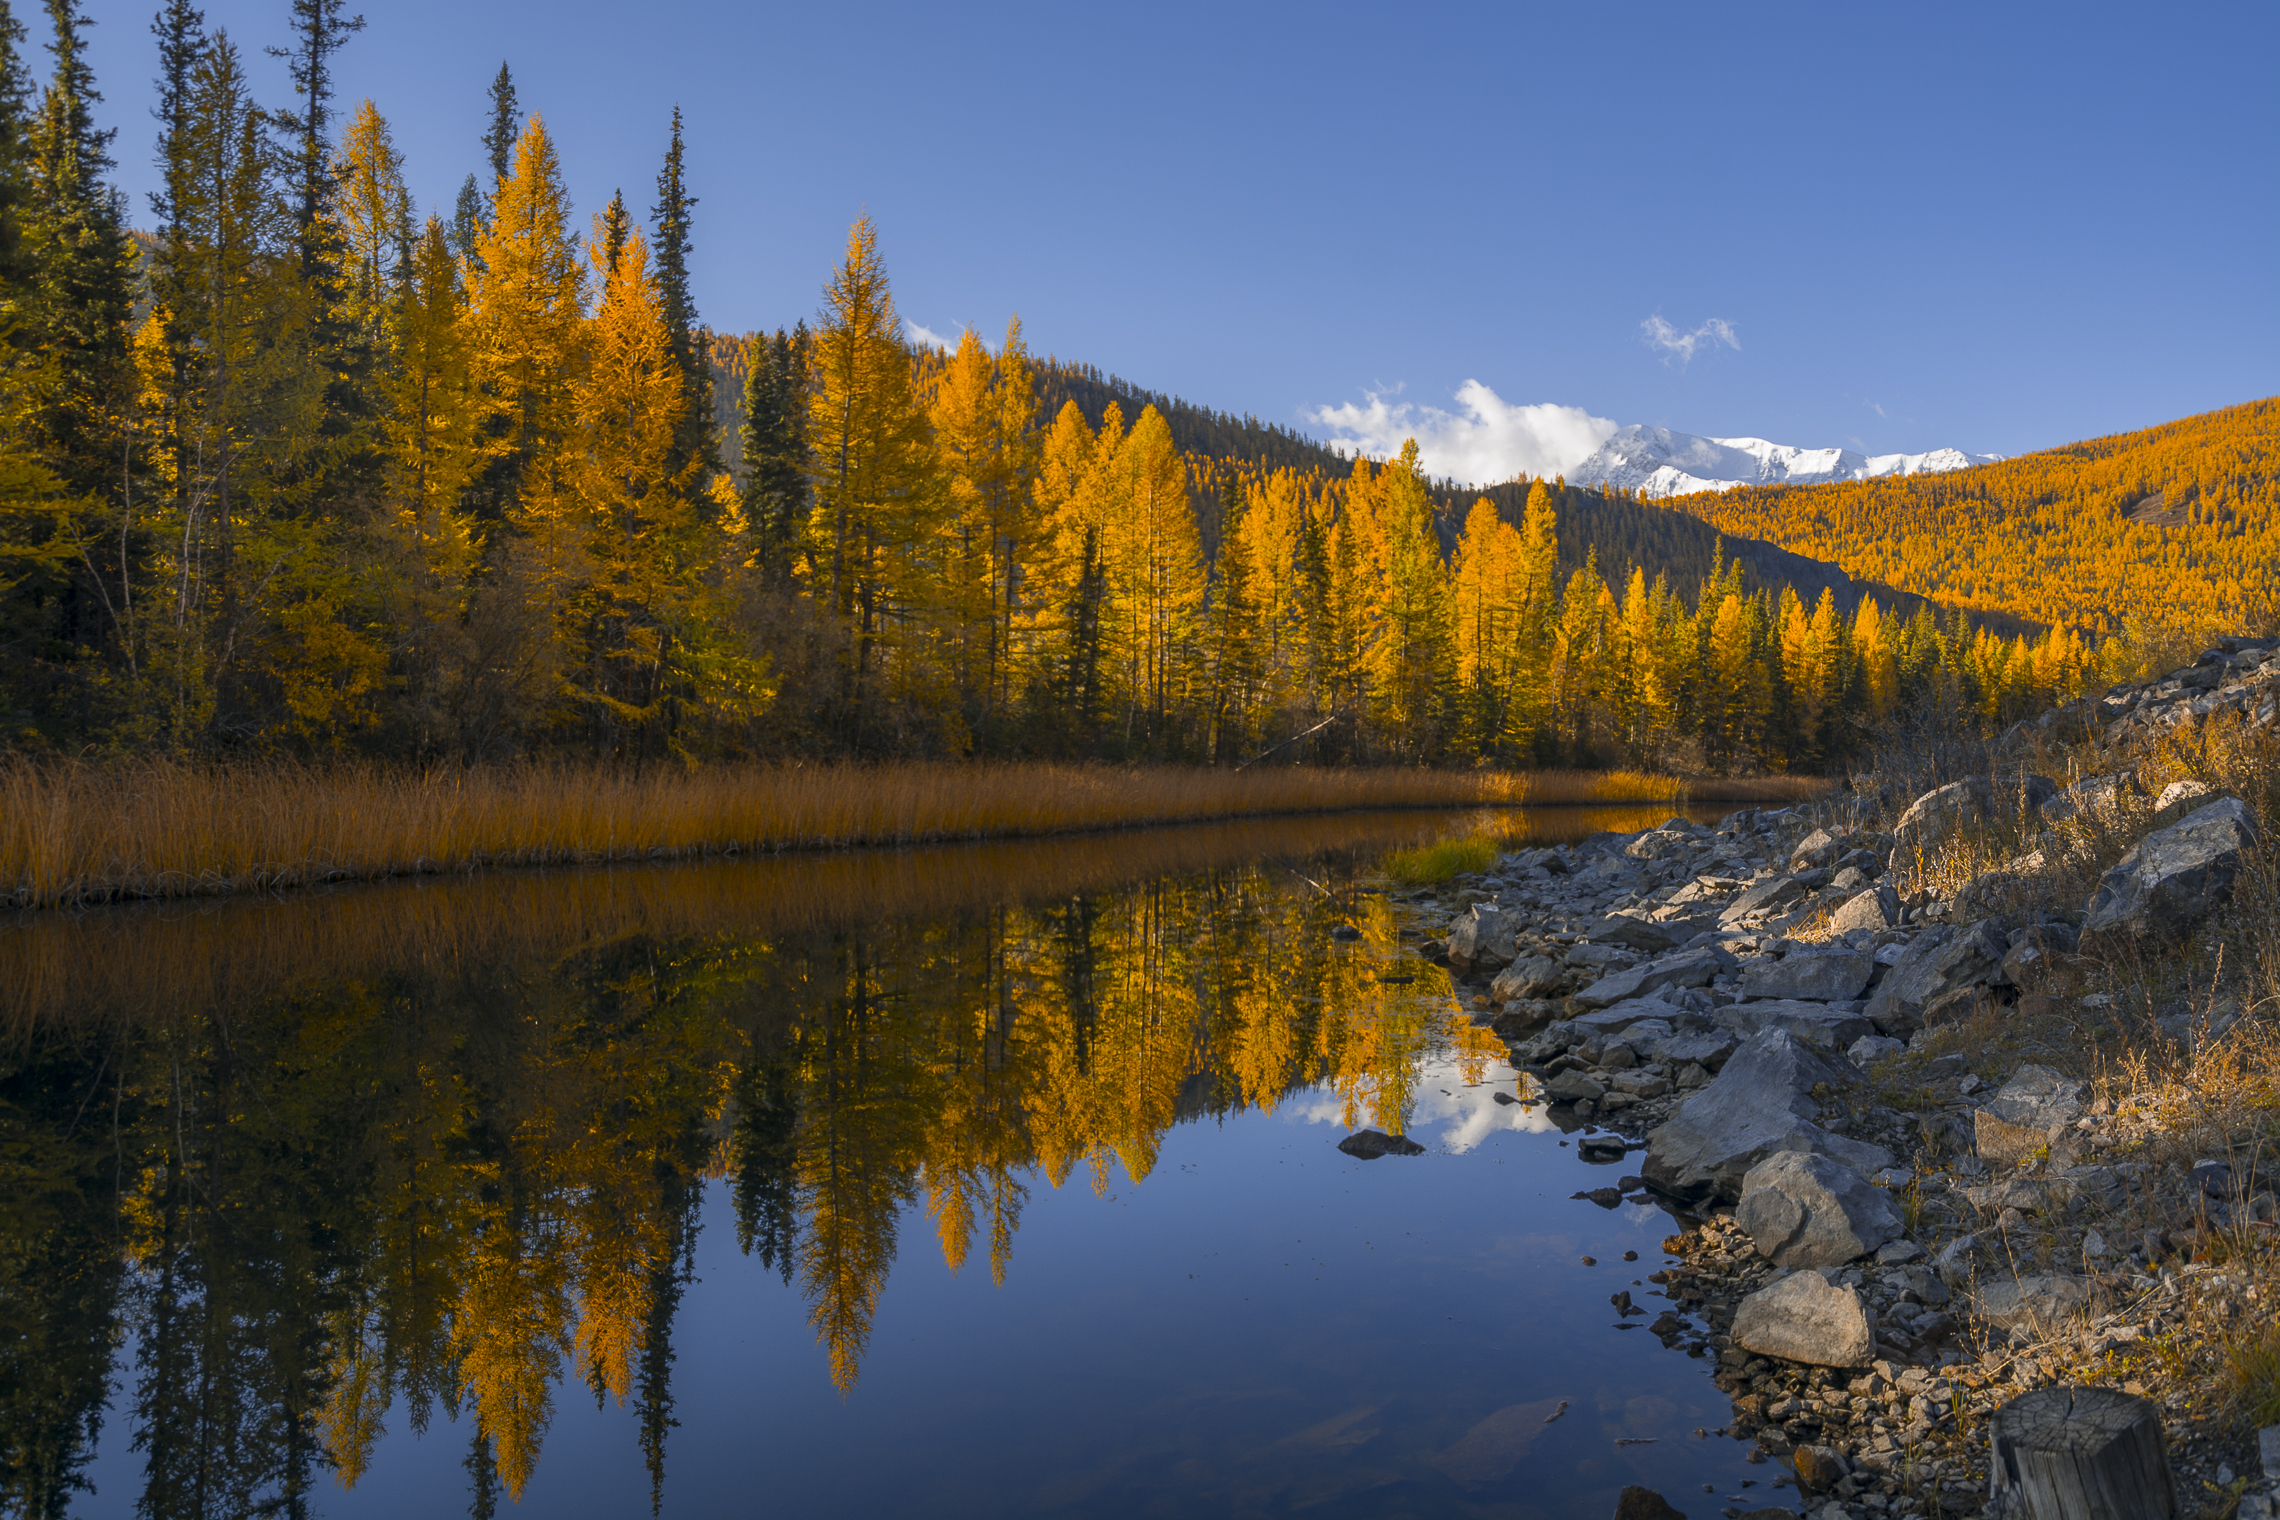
(2080, 1454)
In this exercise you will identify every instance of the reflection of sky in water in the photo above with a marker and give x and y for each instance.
(1260, 1325)
(1447, 1112)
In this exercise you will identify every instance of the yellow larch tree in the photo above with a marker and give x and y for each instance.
(526, 291)
(872, 470)
(375, 214)
(1155, 576)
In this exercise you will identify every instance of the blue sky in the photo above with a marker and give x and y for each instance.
(1995, 228)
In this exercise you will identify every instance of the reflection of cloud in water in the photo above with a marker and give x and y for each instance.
(1466, 1115)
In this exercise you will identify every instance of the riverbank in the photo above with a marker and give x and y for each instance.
(1967, 1088)
(79, 833)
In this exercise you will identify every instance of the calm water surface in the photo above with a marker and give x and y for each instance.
(987, 1181)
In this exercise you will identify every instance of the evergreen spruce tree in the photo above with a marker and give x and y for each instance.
(775, 439)
(693, 442)
(506, 127)
(81, 265)
(467, 221)
(319, 32)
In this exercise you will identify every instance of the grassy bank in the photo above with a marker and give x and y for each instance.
(80, 833)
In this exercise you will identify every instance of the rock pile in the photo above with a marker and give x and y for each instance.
(1725, 998)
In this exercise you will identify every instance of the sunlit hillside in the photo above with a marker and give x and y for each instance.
(2173, 525)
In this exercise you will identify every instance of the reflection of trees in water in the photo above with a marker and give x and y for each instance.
(459, 1183)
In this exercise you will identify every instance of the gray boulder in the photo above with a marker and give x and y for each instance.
(1877, 908)
(1575, 1087)
(2035, 950)
(1823, 976)
(1708, 1049)
(1769, 895)
(2034, 1109)
(1483, 938)
(1873, 1047)
(1639, 934)
(1532, 976)
(2094, 795)
(2179, 799)
(1936, 964)
(1819, 848)
(1824, 1026)
(2176, 876)
(1944, 811)
(1688, 968)
(1813, 1211)
(1806, 1318)
(1620, 1016)
(2037, 1304)
(1760, 1102)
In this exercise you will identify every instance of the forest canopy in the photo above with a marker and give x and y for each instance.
(295, 467)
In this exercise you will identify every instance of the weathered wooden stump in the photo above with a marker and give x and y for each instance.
(2080, 1454)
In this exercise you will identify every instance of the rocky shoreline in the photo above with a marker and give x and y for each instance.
(1847, 1050)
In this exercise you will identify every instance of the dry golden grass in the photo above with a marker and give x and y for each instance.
(80, 833)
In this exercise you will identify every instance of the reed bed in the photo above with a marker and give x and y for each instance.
(77, 833)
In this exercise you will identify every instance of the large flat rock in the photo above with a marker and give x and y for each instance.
(1687, 968)
(1824, 1026)
(1820, 976)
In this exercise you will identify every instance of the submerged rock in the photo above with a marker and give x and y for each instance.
(1636, 1503)
(1369, 1144)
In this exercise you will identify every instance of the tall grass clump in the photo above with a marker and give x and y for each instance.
(1441, 860)
(78, 832)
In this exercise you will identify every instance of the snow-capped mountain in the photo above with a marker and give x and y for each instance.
(1655, 461)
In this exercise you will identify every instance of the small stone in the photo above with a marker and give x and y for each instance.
(2268, 1451)
(1898, 1253)
(1819, 1468)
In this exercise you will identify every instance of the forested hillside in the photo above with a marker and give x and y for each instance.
(2177, 524)
(298, 469)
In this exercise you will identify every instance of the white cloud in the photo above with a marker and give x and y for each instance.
(927, 337)
(1669, 340)
(1487, 440)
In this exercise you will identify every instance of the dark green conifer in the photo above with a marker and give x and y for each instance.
(693, 442)
(776, 448)
(506, 125)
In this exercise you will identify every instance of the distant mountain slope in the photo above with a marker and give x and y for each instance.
(2177, 524)
(1624, 532)
(1654, 461)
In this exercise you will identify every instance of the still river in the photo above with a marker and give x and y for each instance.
(995, 1180)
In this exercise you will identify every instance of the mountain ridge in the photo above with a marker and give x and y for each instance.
(1656, 462)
